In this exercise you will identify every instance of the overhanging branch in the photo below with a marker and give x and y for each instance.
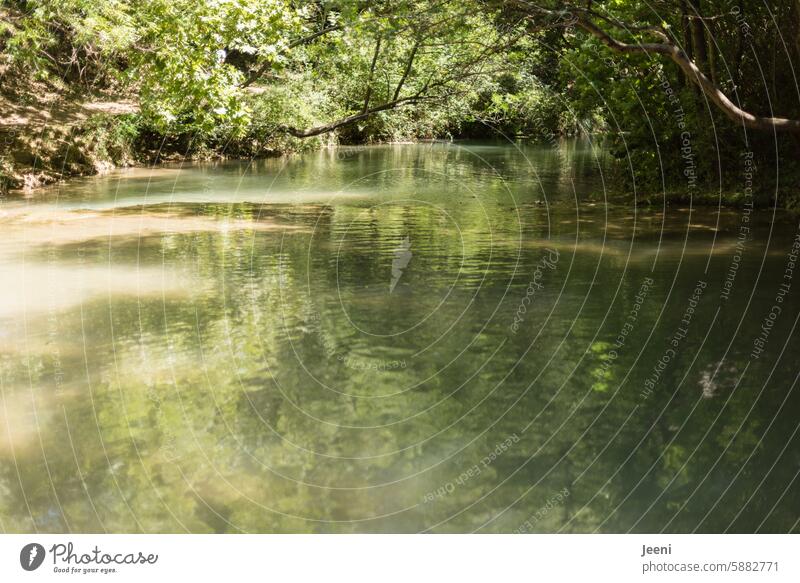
(329, 127)
(583, 19)
(693, 72)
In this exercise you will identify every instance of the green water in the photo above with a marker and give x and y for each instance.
(445, 338)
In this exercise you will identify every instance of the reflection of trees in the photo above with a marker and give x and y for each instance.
(195, 413)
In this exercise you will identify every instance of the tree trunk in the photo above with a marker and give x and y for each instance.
(698, 35)
(711, 52)
(687, 39)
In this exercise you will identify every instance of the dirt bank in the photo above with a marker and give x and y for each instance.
(49, 137)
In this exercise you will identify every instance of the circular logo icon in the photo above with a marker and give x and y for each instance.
(31, 556)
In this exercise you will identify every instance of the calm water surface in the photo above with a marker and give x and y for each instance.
(444, 338)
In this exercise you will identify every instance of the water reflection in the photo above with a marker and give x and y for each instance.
(220, 349)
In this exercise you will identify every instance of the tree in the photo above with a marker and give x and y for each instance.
(586, 19)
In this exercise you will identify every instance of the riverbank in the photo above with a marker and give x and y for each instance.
(48, 136)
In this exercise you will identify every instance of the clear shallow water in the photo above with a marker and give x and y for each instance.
(427, 337)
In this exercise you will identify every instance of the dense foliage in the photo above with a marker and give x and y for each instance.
(258, 76)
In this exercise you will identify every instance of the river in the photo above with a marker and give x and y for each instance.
(433, 337)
